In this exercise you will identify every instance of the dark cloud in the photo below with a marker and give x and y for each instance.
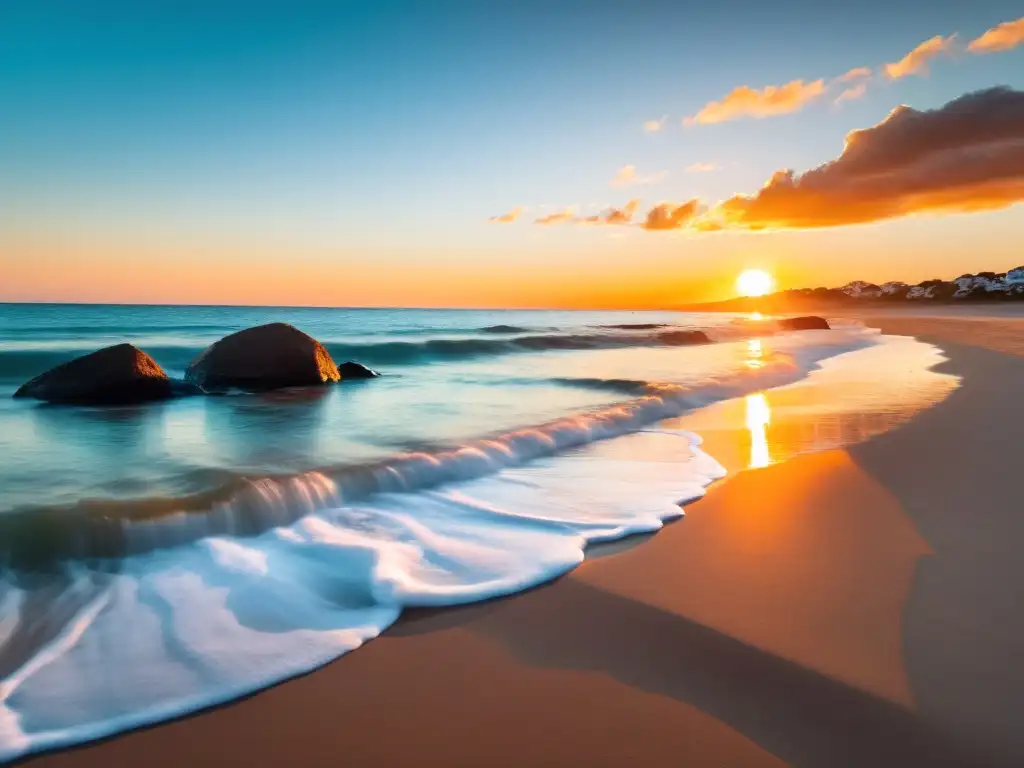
(967, 155)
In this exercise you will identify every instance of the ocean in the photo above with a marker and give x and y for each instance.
(161, 558)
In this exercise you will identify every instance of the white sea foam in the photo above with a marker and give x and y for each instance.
(193, 618)
(205, 622)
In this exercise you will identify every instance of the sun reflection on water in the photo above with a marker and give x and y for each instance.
(755, 353)
(758, 419)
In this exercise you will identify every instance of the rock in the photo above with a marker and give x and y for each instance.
(806, 323)
(112, 375)
(352, 370)
(266, 357)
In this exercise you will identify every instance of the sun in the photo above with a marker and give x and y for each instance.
(754, 282)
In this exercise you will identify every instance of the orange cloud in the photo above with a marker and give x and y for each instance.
(627, 176)
(1007, 35)
(507, 218)
(745, 101)
(916, 62)
(857, 73)
(965, 156)
(851, 93)
(653, 126)
(558, 217)
(702, 167)
(856, 81)
(665, 216)
(620, 216)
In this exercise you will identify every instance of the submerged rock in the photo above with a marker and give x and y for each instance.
(112, 375)
(271, 356)
(805, 323)
(353, 370)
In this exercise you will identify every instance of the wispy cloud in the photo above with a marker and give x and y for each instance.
(916, 62)
(558, 217)
(747, 102)
(772, 100)
(653, 126)
(857, 73)
(507, 218)
(965, 156)
(855, 84)
(702, 167)
(666, 216)
(627, 176)
(851, 93)
(1007, 35)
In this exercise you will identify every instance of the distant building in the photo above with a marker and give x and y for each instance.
(1015, 276)
(988, 282)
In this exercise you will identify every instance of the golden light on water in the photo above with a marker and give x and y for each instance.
(755, 353)
(758, 417)
(754, 282)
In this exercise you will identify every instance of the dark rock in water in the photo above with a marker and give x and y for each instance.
(807, 323)
(681, 338)
(352, 370)
(266, 357)
(635, 326)
(112, 375)
(504, 329)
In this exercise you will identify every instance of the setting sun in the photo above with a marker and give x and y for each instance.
(754, 282)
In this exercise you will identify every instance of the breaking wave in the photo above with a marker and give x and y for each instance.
(201, 598)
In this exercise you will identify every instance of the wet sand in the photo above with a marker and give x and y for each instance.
(848, 608)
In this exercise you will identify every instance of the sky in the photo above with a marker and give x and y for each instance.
(531, 154)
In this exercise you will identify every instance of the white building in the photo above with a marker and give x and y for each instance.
(1015, 276)
(967, 284)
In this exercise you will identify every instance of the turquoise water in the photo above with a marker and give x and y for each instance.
(449, 376)
(246, 538)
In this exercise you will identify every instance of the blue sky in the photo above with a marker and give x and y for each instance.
(382, 136)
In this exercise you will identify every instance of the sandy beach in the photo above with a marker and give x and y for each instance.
(854, 607)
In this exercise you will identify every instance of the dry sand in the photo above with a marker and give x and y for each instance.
(856, 607)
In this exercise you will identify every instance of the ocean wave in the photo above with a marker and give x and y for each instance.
(635, 326)
(411, 353)
(75, 331)
(621, 386)
(220, 616)
(43, 537)
(197, 601)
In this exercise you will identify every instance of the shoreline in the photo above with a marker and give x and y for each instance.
(815, 680)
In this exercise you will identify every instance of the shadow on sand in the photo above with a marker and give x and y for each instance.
(963, 628)
(802, 716)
